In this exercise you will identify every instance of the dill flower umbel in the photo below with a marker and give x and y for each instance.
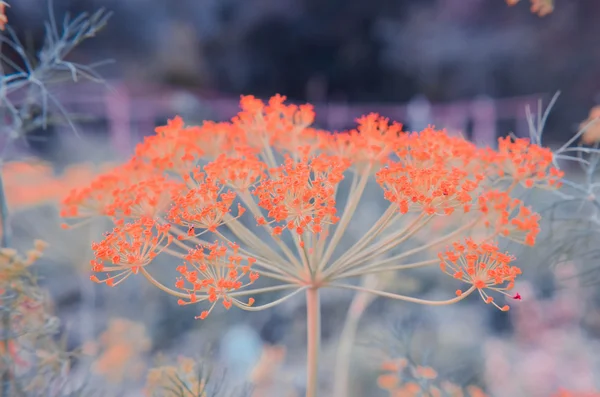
(267, 197)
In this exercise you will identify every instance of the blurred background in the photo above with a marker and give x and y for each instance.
(471, 66)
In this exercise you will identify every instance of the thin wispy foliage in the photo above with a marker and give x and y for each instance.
(573, 212)
(27, 83)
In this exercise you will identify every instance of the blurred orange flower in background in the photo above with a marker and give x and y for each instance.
(403, 379)
(539, 7)
(3, 18)
(567, 393)
(542, 7)
(268, 376)
(120, 348)
(30, 182)
(592, 133)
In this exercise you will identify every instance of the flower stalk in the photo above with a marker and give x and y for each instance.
(313, 316)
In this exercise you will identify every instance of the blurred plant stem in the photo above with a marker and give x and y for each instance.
(313, 315)
(359, 304)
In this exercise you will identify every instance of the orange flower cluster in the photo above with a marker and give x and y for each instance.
(215, 273)
(369, 145)
(435, 173)
(185, 182)
(276, 124)
(131, 190)
(301, 195)
(173, 148)
(403, 379)
(129, 247)
(239, 173)
(431, 146)
(482, 266)
(509, 217)
(524, 163)
(433, 190)
(203, 205)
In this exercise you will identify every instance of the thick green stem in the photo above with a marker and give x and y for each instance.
(313, 315)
